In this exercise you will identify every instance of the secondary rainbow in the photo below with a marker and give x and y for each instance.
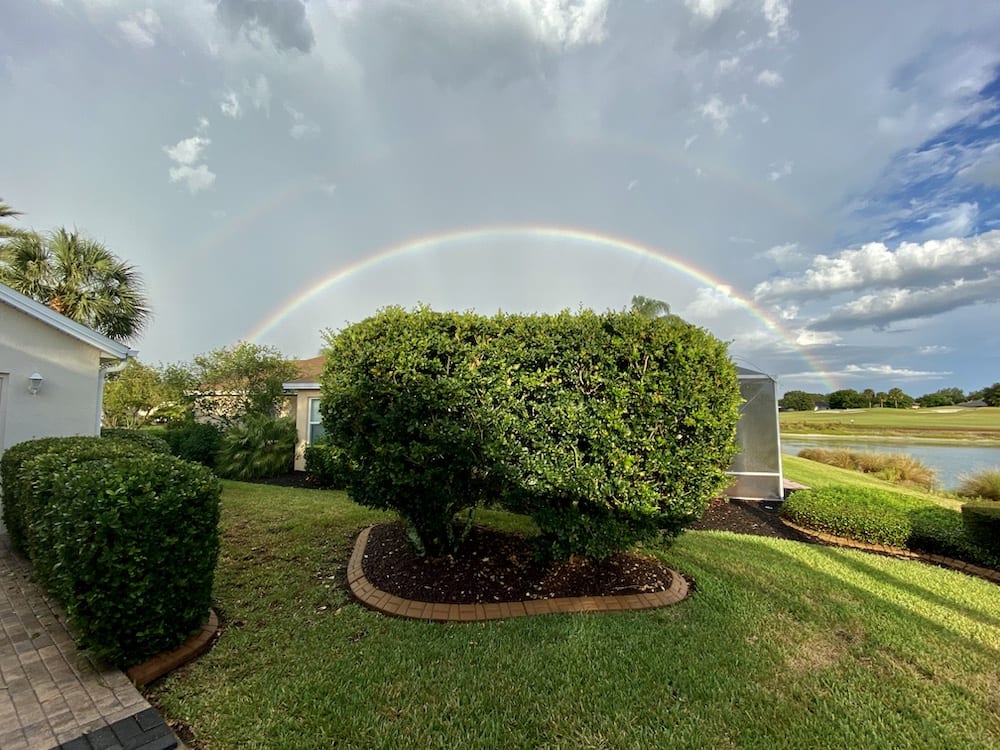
(473, 234)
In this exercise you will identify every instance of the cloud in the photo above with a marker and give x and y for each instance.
(196, 178)
(718, 112)
(786, 255)
(935, 349)
(283, 22)
(187, 151)
(202, 126)
(710, 302)
(770, 78)
(780, 170)
(729, 64)
(806, 338)
(985, 169)
(876, 266)
(230, 105)
(259, 93)
(885, 371)
(893, 305)
(141, 28)
(302, 126)
(776, 13)
(707, 9)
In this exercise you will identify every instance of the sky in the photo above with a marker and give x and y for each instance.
(815, 183)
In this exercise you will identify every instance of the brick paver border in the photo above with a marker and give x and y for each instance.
(390, 604)
(949, 562)
(168, 661)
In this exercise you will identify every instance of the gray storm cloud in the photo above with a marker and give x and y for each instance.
(283, 21)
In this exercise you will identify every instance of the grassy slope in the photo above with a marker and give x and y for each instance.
(784, 645)
(944, 423)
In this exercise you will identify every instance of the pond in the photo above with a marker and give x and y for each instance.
(950, 461)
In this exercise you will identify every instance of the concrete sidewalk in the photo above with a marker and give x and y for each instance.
(51, 694)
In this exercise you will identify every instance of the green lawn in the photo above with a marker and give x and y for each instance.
(949, 423)
(783, 645)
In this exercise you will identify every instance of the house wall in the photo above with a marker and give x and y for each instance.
(299, 406)
(67, 401)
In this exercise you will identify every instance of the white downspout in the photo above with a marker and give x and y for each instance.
(101, 374)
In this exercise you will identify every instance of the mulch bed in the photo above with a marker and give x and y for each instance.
(500, 567)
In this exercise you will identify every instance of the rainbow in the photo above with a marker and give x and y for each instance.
(472, 234)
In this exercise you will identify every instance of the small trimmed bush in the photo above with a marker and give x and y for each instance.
(18, 498)
(195, 441)
(128, 544)
(259, 447)
(984, 484)
(982, 524)
(325, 464)
(861, 513)
(147, 440)
(881, 517)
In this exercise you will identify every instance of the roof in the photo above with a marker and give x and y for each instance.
(109, 348)
(309, 372)
(747, 374)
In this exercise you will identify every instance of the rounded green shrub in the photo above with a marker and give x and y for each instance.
(325, 464)
(613, 428)
(195, 441)
(147, 440)
(865, 514)
(399, 401)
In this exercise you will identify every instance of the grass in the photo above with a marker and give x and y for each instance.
(944, 423)
(893, 467)
(783, 645)
(983, 484)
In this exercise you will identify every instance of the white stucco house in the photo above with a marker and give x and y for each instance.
(51, 371)
(302, 402)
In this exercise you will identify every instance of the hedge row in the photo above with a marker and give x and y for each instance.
(607, 428)
(126, 538)
(883, 517)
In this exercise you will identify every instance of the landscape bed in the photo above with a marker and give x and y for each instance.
(782, 644)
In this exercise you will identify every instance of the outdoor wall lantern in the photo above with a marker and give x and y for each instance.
(35, 381)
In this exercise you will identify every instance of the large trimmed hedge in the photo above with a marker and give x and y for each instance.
(607, 428)
(125, 538)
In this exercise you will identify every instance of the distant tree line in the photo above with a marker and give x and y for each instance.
(894, 398)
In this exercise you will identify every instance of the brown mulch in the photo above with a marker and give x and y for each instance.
(501, 567)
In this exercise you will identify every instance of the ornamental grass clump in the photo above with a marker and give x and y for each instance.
(983, 484)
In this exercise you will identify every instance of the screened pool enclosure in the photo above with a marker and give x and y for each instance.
(756, 470)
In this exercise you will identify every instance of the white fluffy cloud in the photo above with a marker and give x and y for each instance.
(718, 113)
(195, 179)
(188, 150)
(710, 302)
(302, 126)
(876, 266)
(230, 105)
(141, 27)
(770, 78)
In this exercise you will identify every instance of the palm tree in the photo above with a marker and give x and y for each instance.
(650, 308)
(8, 232)
(80, 278)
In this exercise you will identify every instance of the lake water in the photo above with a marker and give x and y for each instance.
(950, 462)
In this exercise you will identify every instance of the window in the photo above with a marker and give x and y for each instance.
(316, 431)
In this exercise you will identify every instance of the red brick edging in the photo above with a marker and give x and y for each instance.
(949, 562)
(390, 604)
(168, 661)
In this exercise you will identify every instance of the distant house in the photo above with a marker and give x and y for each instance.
(51, 371)
(303, 402)
(976, 404)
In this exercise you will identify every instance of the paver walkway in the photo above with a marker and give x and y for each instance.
(52, 695)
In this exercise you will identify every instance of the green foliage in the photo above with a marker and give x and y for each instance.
(399, 400)
(608, 429)
(79, 278)
(984, 484)
(991, 395)
(147, 440)
(847, 398)
(648, 307)
(883, 517)
(982, 524)
(141, 395)
(245, 379)
(799, 401)
(942, 397)
(260, 446)
(18, 498)
(195, 441)
(612, 427)
(128, 544)
(325, 462)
